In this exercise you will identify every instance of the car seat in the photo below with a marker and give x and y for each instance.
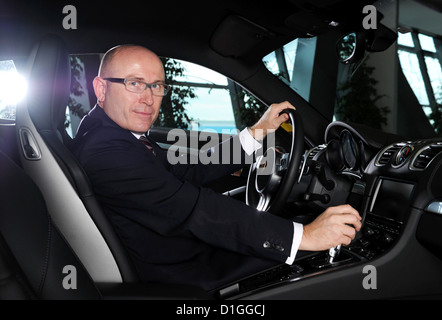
(47, 160)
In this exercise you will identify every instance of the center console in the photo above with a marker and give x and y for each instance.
(385, 214)
(385, 218)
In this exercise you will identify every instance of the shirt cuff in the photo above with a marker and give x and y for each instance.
(248, 143)
(297, 237)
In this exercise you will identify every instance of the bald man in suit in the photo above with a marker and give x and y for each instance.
(177, 231)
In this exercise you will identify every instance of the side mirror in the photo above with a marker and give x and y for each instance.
(350, 48)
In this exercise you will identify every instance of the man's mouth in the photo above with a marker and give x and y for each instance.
(144, 113)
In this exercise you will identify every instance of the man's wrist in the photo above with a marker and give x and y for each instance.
(257, 133)
(297, 238)
(248, 142)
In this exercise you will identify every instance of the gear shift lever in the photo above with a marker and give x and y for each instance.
(329, 259)
(333, 253)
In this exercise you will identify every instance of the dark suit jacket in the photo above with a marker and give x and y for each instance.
(175, 230)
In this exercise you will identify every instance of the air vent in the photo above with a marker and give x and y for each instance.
(425, 155)
(387, 154)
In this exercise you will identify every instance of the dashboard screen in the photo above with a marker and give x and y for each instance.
(392, 199)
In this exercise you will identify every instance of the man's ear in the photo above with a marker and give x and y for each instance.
(99, 88)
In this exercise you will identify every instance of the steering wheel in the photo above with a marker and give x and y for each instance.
(273, 174)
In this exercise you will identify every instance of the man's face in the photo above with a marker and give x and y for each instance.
(132, 111)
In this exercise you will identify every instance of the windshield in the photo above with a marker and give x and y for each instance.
(398, 90)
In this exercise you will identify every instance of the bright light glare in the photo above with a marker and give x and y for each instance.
(13, 87)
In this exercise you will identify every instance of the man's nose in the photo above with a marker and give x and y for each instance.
(147, 96)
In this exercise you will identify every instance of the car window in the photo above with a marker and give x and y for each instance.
(204, 100)
(201, 99)
(420, 59)
(82, 97)
(359, 94)
(293, 64)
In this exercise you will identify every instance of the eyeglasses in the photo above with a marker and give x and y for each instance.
(138, 86)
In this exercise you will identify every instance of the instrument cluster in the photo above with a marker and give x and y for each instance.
(346, 153)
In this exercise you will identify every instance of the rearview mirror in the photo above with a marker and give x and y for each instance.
(351, 47)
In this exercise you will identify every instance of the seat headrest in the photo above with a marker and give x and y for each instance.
(49, 81)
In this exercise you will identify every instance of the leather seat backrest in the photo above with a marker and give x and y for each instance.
(46, 158)
(36, 261)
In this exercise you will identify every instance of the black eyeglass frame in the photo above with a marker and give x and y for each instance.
(148, 85)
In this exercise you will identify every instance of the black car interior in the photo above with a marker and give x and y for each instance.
(50, 218)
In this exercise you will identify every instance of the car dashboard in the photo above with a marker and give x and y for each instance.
(396, 187)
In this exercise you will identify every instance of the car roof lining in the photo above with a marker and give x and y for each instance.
(231, 28)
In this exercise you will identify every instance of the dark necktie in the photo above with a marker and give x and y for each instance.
(146, 142)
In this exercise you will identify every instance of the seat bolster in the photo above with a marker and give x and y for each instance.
(50, 266)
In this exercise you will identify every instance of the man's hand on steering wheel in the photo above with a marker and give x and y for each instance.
(274, 173)
(271, 120)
